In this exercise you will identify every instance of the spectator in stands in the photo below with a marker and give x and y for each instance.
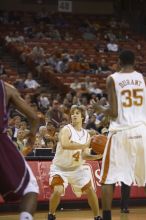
(92, 65)
(37, 144)
(65, 107)
(112, 46)
(24, 126)
(54, 114)
(31, 83)
(96, 90)
(89, 112)
(104, 101)
(78, 55)
(37, 54)
(55, 34)
(15, 127)
(93, 98)
(50, 143)
(58, 97)
(113, 23)
(88, 83)
(91, 124)
(76, 99)
(83, 91)
(62, 66)
(50, 130)
(20, 82)
(84, 101)
(121, 36)
(103, 67)
(21, 140)
(41, 135)
(88, 35)
(38, 57)
(84, 66)
(43, 102)
(9, 38)
(110, 36)
(18, 38)
(25, 53)
(69, 99)
(139, 47)
(51, 60)
(75, 85)
(67, 37)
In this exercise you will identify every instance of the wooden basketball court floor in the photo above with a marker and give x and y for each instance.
(75, 214)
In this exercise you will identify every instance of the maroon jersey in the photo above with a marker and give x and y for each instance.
(14, 175)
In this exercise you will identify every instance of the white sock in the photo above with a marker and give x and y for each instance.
(25, 216)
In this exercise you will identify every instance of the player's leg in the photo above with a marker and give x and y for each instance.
(82, 179)
(55, 198)
(92, 200)
(28, 204)
(125, 194)
(107, 196)
(57, 183)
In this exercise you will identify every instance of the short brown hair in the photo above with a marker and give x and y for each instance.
(81, 108)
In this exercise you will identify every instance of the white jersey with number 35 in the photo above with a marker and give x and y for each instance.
(131, 100)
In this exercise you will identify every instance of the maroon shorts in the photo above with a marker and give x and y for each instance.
(14, 175)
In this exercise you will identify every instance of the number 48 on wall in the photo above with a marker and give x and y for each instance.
(64, 6)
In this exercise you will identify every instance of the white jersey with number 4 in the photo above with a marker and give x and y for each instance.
(70, 159)
(131, 95)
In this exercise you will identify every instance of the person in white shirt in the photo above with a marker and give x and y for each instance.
(31, 83)
(112, 46)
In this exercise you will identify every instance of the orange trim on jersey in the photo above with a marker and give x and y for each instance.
(70, 131)
(57, 180)
(106, 162)
(86, 186)
(87, 137)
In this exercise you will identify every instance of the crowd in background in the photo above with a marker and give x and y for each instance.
(54, 113)
(65, 45)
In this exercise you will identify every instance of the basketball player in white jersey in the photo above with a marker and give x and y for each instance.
(68, 164)
(124, 158)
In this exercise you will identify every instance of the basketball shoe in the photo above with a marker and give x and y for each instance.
(51, 217)
(98, 218)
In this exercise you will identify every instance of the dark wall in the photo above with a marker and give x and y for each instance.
(79, 6)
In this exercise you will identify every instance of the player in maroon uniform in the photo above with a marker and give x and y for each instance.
(17, 181)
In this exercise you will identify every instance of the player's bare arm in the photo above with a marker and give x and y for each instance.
(86, 155)
(67, 144)
(14, 97)
(144, 79)
(111, 109)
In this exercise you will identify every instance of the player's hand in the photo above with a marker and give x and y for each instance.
(30, 141)
(29, 144)
(96, 105)
(26, 150)
(87, 145)
(99, 156)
